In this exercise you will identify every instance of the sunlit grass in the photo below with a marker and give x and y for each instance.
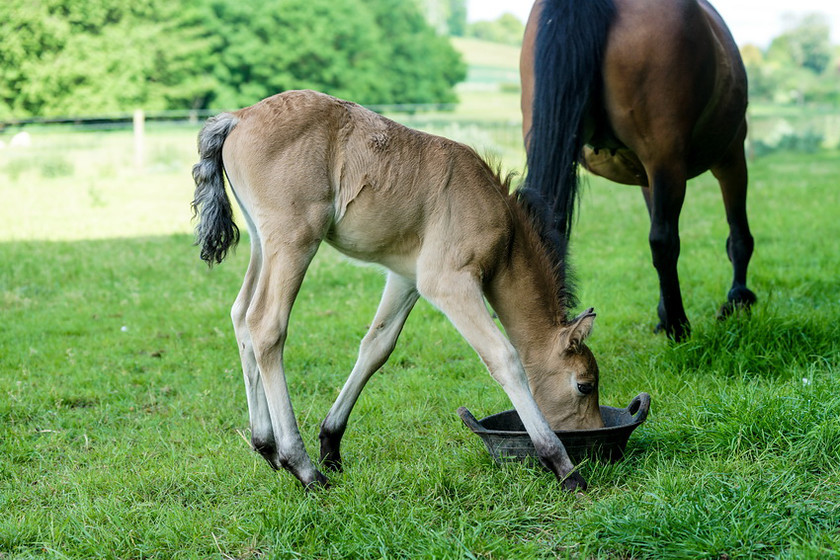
(123, 417)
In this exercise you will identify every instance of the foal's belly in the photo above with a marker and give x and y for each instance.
(396, 250)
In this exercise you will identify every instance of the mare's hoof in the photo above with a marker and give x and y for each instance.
(574, 483)
(677, 334)
(739, 301)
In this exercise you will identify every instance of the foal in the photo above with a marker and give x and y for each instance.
(305, 168)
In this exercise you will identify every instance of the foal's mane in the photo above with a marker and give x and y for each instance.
(537, 218)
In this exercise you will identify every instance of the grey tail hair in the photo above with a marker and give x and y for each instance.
(215, 231)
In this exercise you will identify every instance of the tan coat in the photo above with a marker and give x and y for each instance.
(305, 168)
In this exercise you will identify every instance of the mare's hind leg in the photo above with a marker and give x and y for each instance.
(398, 299)
(664, 199)
(731, 173)
(284, 264)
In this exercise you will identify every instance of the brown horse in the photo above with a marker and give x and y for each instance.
(305, 168)
(643, 92)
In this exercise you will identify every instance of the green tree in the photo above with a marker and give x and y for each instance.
(806, 44)
(800, 65)
(457, 21)
(262, 48)
(505, 29)
(94, 56)
(763, 81)
(447, 17)
(100, 56)
(422, 66)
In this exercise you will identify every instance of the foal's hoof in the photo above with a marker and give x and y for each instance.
(319, 483)
(330, 456)
(574, 483)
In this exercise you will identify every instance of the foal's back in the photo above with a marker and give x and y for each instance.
(381, 192)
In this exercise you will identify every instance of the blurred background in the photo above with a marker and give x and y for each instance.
(102, 98)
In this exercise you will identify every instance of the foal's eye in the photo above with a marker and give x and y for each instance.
(585, 388)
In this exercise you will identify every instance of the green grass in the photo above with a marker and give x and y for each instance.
(490, 67)
(486, 54)
(123, 416)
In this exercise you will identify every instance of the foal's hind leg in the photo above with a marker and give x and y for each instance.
(731, 173)
(398, 299)
(262, 434)
(284, 264)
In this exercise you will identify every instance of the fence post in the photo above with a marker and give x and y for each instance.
(139, 137)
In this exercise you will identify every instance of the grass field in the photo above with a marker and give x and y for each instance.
(123, 418)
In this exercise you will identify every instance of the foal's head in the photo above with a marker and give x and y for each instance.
(563, 374)
(565, 384)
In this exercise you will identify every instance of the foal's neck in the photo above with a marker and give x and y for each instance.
(523, 293)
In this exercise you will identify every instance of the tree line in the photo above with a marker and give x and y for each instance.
(60, 57)
(94, 57)
(799, 66)
(449, 17)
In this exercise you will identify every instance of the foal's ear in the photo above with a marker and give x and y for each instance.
(577, 330)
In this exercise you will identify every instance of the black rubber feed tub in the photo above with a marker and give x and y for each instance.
(506, 439)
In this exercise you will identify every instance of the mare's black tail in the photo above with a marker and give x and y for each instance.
(567, 69)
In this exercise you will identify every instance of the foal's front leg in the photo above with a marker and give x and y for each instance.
(459, 296)
(398, 299)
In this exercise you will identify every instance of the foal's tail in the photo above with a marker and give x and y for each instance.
(568, 56)
(215, 230)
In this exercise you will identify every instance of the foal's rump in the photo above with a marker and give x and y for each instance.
(266, 150)
(278, 158)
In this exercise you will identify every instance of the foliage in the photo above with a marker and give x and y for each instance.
(420, 67)
(263, 48)
(805, 44)
(74, 57)
(448, 17)
(99, 56)
(457, 17)
(807, 142)
(799, 66)
(123, 413)
(506, 29)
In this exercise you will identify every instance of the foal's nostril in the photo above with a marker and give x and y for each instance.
(585, 388)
